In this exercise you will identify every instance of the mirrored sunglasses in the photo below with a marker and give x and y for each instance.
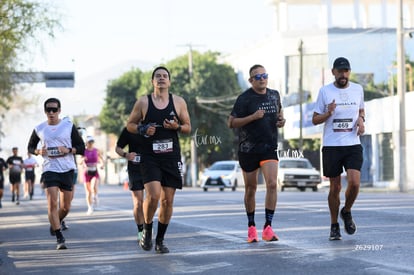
(260, 76)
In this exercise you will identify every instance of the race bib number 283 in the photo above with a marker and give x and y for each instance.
(162, 146)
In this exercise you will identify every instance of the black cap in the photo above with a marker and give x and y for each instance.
(341, 63)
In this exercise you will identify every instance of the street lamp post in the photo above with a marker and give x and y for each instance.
(300, 49)
(401, 88)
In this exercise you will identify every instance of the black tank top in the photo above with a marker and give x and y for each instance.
(165, 141)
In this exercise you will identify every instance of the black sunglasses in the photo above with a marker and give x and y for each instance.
(259, 76)
(51, 109)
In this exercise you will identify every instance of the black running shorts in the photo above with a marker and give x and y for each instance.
(251, 161)
(335, 158)
(135, 182)
(62, 180)
(15, 178)
(168, 171)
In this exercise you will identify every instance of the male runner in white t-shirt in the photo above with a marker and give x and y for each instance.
(340, 105)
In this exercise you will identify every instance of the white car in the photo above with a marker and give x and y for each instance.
(222, 174)
(298, 173)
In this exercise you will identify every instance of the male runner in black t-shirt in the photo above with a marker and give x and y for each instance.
(135, 183)
(258, 113)
(3, 166)
(15, 164)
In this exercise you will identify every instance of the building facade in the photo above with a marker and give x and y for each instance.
(310, 34)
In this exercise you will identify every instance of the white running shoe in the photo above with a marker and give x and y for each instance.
(90, 210)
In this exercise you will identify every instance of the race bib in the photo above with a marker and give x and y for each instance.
(91, 168)
(137, 159)
(342, 125)
(162, 146)
(53, 152)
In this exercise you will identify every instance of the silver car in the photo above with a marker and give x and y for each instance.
(298, 173)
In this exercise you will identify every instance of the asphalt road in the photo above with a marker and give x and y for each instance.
(207, 235)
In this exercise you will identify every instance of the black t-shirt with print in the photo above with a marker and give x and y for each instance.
(16, 163)
(3, 165)
(259, 136)
(133, 141)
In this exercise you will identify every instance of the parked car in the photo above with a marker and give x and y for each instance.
(222, 174)
(298, 173)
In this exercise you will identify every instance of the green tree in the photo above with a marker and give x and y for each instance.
(121, 95)
(23, 25)
(209, 80)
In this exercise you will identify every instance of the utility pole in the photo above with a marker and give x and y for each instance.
(300, 49)
(401, 88)
(193, 144)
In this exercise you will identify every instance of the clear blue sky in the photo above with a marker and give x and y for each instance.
(100, 34)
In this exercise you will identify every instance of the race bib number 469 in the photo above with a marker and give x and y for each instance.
(53, 152)
(162, 146)
(342, 125)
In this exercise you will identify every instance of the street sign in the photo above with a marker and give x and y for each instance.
(51, 79)
(59, 79)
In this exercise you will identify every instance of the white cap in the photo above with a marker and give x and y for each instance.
(89, 139)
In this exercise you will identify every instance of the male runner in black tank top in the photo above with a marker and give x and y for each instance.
(258, 115)
(159, 117)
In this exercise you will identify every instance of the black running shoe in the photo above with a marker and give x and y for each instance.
(335, 232)
(146, 241)
(161, 248)
(61, 244)
(63, 226)
(349, 224)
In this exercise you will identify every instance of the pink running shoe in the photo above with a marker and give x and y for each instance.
(252, 235)
(268, 234)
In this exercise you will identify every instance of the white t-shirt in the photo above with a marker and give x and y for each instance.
(53, 136)
(30, 164)
(340, 129)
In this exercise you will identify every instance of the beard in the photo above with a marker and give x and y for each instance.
(342, 82)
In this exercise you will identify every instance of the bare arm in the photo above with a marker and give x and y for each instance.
(184, 117)
(320, 118)
(136, 116)
(120, 151)
(280, 120)
(100, 160)
(237, 122)
(361, 122)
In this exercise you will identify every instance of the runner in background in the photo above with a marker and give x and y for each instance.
(30, 163)
(91, 159)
